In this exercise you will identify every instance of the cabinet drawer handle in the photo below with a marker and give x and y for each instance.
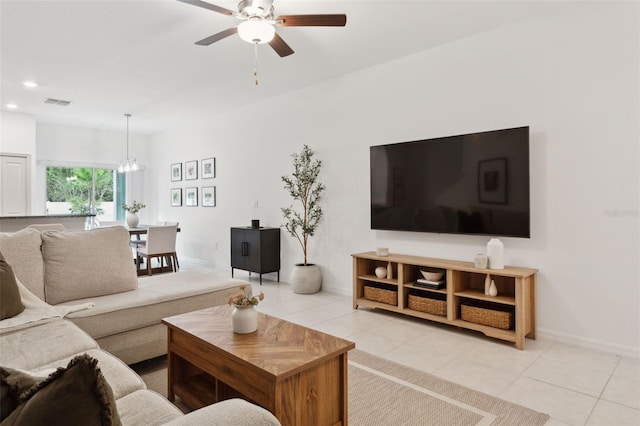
(245, 248)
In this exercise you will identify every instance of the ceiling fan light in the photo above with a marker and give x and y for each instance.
(256, 31)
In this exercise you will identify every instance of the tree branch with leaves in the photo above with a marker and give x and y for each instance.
(303, 186)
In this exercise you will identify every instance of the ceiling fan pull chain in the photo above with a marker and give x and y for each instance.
(255, 69)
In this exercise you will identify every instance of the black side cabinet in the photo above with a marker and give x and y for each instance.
(255, 250)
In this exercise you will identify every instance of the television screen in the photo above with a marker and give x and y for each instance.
(476, 183)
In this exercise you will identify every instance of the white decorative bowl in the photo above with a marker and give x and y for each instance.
(432, 276)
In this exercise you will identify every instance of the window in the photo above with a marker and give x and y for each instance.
(83, 190)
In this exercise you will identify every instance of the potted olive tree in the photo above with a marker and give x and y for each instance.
(304, 188)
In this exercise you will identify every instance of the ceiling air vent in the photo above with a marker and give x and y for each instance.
(59, 102)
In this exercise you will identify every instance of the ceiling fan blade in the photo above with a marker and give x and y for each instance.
(280, 46)
(217, 37)
(210, 6)
(339, 20)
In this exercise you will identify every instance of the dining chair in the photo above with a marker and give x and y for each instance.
(177, 224)
(139, 242)
(48, 227)
(161, 244)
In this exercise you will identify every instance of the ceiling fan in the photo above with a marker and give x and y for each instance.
(258, 26)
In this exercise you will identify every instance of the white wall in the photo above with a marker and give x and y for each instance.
(18, 136)
(572, 77)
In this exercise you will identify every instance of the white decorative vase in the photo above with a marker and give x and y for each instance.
(487, 284)
(306, 279)
(389, 271)
(495, 252)
(493, 290)
(381, 272)
(132, 220)
(244, 319)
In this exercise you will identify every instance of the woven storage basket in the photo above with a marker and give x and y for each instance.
(430, 306)
(381, 295)
(485, 316)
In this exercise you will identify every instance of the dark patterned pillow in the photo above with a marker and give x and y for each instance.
(75, 395)
(13, 383)
(10, 300)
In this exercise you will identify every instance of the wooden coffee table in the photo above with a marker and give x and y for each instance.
(297, 373)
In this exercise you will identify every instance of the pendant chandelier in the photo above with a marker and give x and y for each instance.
(128, 165)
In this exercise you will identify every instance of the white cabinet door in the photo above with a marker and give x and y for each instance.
(14, 182)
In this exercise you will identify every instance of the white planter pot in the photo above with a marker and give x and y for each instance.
(132, 220)
(244, 319)
(306, 279)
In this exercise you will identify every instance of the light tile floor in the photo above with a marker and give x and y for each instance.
(574, 385)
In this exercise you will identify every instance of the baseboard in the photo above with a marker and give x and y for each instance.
(205, 263)
(622, 350)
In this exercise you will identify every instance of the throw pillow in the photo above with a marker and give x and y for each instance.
(10, 301)
(82, 264)
(13, 383)
(75, 395)
(22, 250)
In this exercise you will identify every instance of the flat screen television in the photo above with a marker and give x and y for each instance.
(476, 184)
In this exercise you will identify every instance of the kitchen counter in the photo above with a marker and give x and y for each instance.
(73, 222)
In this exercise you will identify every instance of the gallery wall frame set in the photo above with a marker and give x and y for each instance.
(208, 193)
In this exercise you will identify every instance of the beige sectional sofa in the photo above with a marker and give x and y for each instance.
(90, 277)
(77, 267)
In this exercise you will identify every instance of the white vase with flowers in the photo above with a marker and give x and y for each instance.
(132, 217)
(244, 317)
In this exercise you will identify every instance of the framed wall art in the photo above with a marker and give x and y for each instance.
(492, 181)
(191, 170)
(176, 197)
(176, 172)
(191, 197)
(208, 196)
(208, 168)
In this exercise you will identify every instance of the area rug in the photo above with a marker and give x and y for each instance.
(382, 392)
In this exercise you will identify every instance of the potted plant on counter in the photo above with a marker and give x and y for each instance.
(132, 210)
(303, 186)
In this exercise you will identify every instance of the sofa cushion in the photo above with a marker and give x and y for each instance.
(10, 300)
(21, 250)
(236, 412)
(121, 377)
(13, 383)
(156, 297)
(61, 338)
(145, 407)
(75, 395)
(81, 264)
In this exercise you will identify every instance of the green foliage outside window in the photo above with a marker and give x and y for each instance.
(75, 186)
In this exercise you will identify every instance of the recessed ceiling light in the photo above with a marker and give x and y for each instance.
(12, 106)
(30, 84)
